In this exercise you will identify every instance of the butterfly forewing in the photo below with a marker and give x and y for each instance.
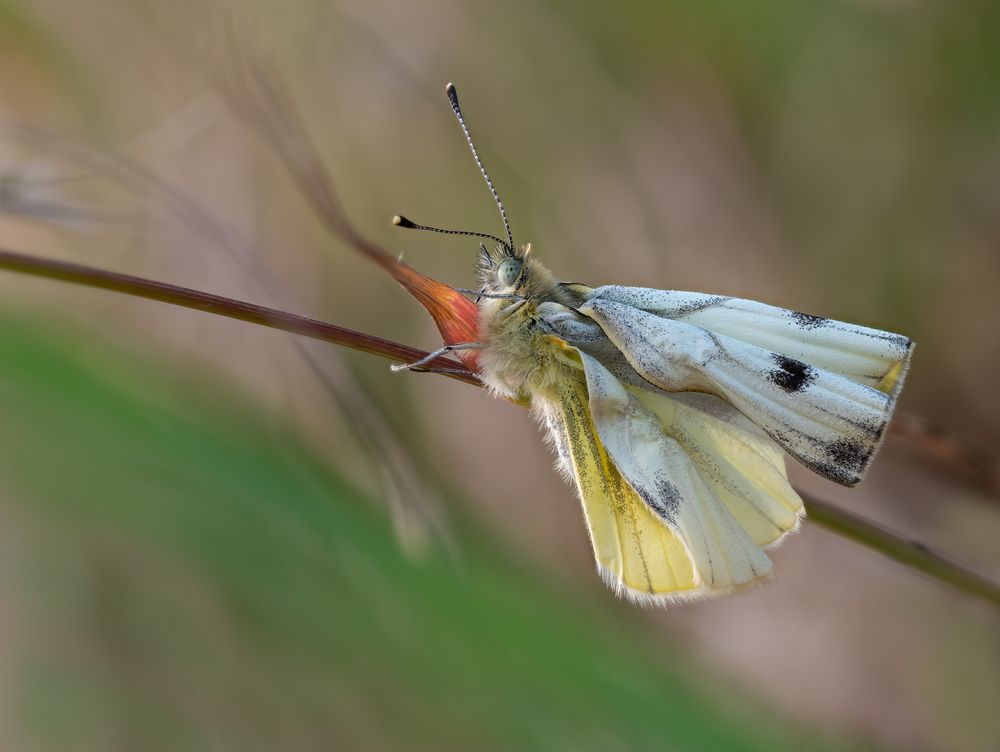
(829, 422)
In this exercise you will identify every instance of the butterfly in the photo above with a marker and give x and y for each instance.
(671, 412)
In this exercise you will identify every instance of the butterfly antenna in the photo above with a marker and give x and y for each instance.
(409, 224)
(453, 98)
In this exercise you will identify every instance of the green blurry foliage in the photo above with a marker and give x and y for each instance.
(186, 576)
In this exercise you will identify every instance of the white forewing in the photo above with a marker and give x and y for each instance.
(861, 354)
(829, 422)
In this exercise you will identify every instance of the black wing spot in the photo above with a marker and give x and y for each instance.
(902, 342)
(664, 498)
(806, 321)
(670, 498)
(848, 453)
(791, 375)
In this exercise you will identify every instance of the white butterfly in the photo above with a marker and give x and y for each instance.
(670, 410)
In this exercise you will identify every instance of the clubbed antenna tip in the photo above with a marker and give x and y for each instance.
(409, 224)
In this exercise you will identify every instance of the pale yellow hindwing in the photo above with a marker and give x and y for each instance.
(637, 555)
(741, 465)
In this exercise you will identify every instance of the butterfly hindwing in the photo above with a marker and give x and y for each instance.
(743, 466)
(637, 555)
(664, 476)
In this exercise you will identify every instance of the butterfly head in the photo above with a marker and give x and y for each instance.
(501, 269)
(513, 271)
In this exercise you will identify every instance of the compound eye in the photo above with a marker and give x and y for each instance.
(508, 272)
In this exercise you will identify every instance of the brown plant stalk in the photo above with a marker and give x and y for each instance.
(912, 553)
(222, 306)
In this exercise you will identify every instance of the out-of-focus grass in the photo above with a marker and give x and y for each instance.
(21, 34)
(187, 577)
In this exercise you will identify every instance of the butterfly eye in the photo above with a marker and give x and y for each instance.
(508, 272)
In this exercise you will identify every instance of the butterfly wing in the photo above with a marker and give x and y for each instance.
(669, 515)
(741, 465)
(661, 472)
(867, 356)
(637, 555)
(829, 421)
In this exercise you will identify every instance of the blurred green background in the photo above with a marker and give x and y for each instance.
(216, 537)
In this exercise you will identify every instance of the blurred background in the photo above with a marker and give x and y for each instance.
(215, 536)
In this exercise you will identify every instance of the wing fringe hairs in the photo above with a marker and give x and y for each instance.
(681, 488)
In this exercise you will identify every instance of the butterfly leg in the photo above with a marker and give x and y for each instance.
(459, 371)
(492, 295)
(437, 354)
